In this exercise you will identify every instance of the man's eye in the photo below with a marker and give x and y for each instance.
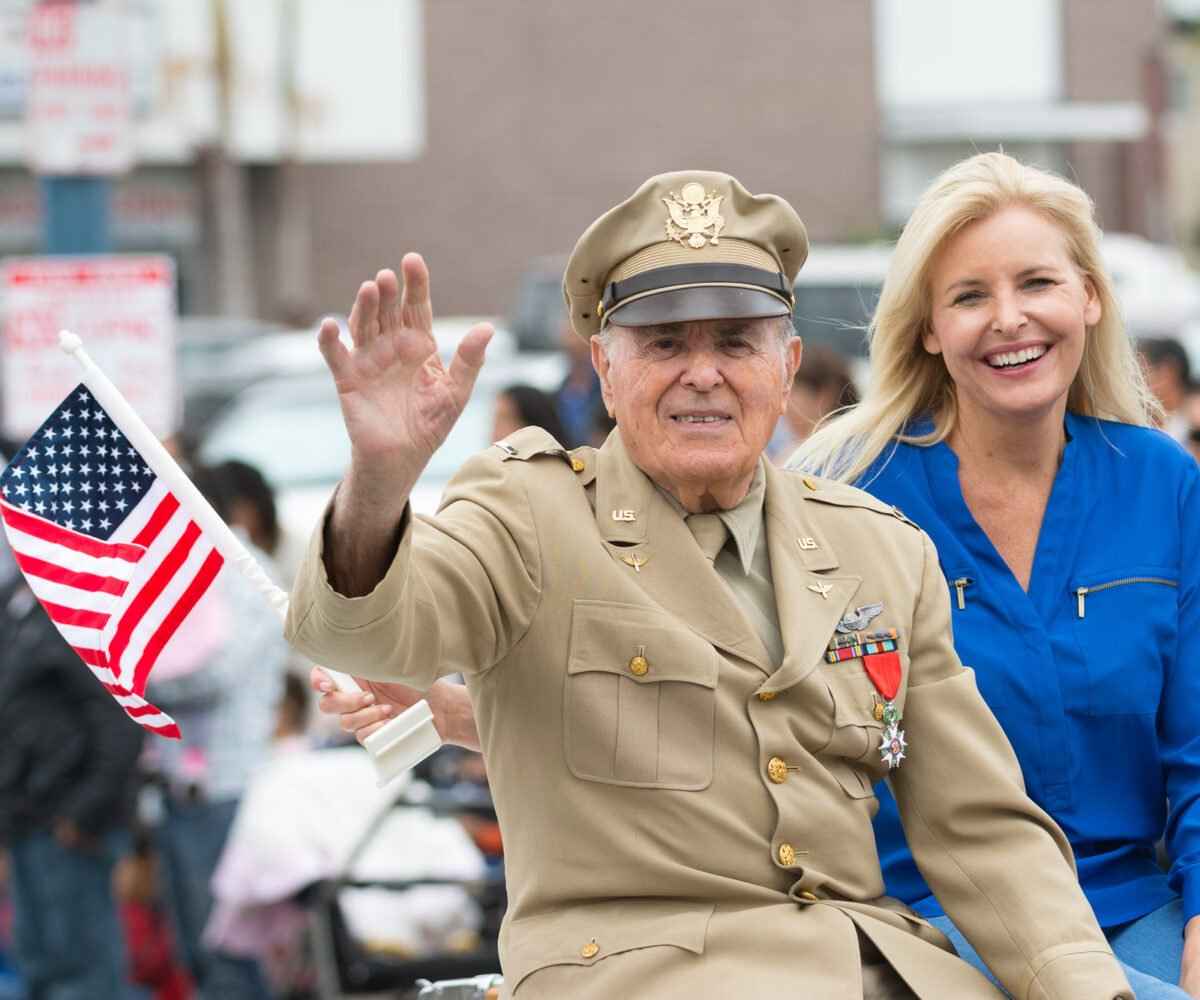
(664, 344)
(737, 345)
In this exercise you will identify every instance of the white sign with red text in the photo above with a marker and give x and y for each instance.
(123, 307)
(80, 99)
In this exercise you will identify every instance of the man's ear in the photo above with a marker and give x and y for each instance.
(601, 363)
(793, 352)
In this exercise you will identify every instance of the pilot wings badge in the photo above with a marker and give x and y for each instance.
(694, 217)
(859, 618)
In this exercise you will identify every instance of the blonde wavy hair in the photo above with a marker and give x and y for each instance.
(907, 382)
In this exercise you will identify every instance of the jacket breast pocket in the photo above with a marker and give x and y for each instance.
(639, 704)
(1127, 624)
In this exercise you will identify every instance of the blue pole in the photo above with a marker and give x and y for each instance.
(76, 214)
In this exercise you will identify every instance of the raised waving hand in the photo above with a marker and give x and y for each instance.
(398, 403)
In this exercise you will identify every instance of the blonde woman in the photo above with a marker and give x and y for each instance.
(1007, 415)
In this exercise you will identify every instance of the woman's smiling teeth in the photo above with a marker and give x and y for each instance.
(1010, 358)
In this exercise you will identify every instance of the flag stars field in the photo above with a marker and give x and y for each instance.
(116, 584)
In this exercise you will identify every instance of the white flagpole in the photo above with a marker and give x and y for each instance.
(403, 742)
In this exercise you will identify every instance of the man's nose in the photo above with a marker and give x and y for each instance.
(702, 373)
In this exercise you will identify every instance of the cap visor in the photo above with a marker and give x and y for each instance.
(685, 305)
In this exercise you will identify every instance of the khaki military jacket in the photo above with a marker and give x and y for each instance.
(653, 847)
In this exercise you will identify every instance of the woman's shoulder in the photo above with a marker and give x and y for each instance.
(894, 461)
(1130, 447)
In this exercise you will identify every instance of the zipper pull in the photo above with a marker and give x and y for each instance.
(1081, 593)
(960, 585)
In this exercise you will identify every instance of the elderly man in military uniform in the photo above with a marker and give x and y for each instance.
(688, 667)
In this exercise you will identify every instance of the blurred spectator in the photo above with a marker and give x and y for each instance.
(65, 804)
(10, 980)
(520, 406)
(251, 503)
(1191, 408)
(823, 384)
(579, 395)
(292, 716)
(153, 964)
(1168, 374)
(225, 702)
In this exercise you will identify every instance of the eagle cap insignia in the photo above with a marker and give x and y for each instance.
(694, 216)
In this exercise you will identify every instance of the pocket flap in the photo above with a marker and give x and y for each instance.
(591, 932)
(607, 637)
(854, 696)
(852, 779)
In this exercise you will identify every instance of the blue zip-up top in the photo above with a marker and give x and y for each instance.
(1094, 674)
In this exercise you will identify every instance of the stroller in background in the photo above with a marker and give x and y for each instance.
(391, 888)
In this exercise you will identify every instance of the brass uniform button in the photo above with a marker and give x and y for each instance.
(809, 482)
(577, 465)
(787, 855)
(766, 695)
(878, 712)
(638, 666)
(777, 770)
(589, 950)
(812, 897)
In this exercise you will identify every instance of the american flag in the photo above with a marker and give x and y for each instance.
(114, 559)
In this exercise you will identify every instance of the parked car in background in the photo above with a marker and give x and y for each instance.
(836, 292)
(1159, 293)
(289, 424)
(538, 314)
(207, 349)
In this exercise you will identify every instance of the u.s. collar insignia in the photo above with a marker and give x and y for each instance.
(859, 618)
(694, 216)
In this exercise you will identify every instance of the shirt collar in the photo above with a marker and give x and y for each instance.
(744, 522)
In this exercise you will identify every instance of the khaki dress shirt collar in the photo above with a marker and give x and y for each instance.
(743, 522)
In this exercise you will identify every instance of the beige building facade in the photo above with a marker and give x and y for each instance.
(538, 114)
(542, 113)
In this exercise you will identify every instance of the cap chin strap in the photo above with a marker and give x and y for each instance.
(690, 275)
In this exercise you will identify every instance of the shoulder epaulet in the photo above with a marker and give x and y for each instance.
(533, 442)
(841, 495)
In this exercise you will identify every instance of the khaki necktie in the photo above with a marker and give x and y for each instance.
(710, 533)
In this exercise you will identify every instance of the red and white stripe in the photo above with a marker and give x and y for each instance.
(118, 602)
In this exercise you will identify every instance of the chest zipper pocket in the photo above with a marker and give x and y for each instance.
(960, 585)
(1081, 593)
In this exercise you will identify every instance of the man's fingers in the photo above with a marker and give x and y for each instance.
(364, 314)
(389, 299)
(362, 734)
(468, 359)
(416, 310)
(334, 701)
(416, 280)
(335, 354)
(342, 702)
(372, 715)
